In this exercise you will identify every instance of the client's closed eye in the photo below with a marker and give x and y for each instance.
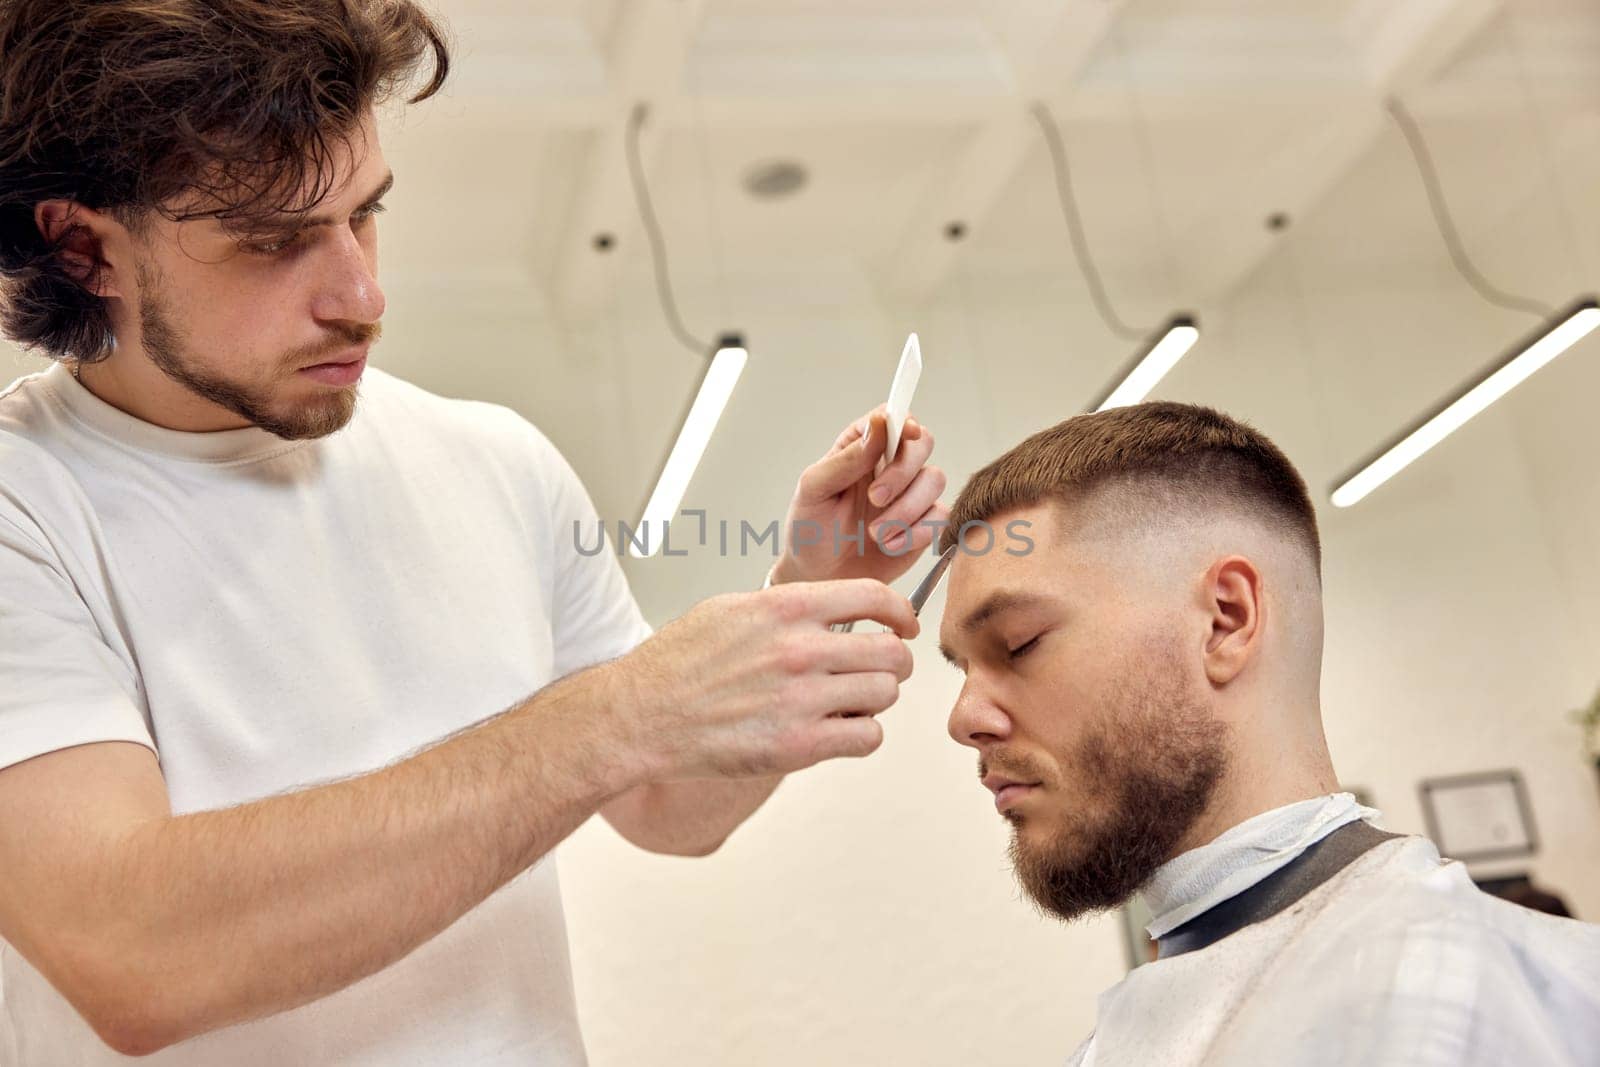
(1023, 649)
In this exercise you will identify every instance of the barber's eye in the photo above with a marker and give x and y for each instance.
(1022, 649)
(276, 248)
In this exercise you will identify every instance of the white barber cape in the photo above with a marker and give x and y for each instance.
(1397, 959)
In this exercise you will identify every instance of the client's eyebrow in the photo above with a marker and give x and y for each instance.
(995, 604)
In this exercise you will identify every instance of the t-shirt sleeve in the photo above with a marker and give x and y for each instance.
(61, 682)
(594, 614)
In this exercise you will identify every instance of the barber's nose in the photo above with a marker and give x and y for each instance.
(977, 720)
(350, 292)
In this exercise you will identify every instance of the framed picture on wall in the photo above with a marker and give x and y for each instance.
(1481, 816)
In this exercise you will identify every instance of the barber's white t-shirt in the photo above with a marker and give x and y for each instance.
(266, 615)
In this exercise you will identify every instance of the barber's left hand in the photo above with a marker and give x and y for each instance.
(842, 489)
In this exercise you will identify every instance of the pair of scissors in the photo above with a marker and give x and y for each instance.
(923, 591)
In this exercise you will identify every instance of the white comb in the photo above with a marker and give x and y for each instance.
(906, 376)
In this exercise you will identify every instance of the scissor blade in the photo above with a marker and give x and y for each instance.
(925, 590)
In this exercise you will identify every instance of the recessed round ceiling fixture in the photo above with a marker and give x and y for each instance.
(775, 179)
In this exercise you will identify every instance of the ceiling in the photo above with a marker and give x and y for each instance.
(1187, 122)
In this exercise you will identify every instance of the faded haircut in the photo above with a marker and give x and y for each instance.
(1174, 456)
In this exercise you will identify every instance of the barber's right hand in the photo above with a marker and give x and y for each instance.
(755, 684)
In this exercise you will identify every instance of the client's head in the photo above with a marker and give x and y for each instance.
(1136, 608)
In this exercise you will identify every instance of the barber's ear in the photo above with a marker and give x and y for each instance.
(83, 255)
(1235, 602)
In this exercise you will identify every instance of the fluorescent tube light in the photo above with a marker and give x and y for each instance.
(1152, 364)
(1554, 337)
(715, 389)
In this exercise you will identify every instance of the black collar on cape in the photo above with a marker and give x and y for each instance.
(1277, 890)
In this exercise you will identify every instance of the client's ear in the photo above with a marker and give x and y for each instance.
(1235, 602)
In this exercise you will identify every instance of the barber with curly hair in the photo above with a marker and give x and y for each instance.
(298, 695)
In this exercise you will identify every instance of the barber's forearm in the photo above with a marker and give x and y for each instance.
(222, 916)
(693, 817)
(687, 818)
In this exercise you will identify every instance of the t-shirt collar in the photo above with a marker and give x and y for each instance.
(218, 446)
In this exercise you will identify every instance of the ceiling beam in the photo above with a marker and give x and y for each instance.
(645, 60)
(974, 183)
(1405, 47)
(943, 108)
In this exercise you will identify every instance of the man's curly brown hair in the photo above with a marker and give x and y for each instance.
(233, 107)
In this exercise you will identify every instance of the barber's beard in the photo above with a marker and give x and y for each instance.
(1154, 769)
(328, 412)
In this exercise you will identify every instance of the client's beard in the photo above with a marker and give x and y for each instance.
(1157, 763)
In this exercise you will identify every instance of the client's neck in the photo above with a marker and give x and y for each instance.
(1267, 768)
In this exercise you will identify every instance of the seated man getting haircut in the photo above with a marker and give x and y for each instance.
(1141, 682)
